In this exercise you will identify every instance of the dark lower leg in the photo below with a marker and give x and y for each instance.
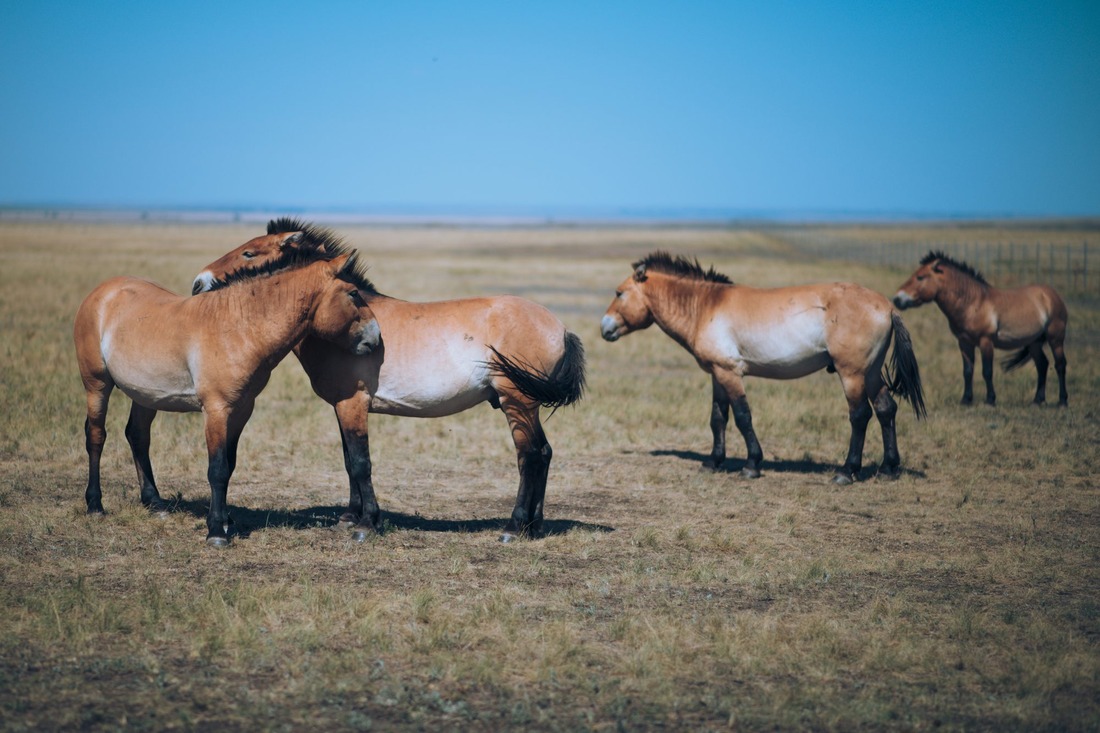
(858, 416)
(355, 503)
(719, 418)
(742, 418)
(218, 471)
(886, 410)
(367, 517)
(1060, 368)
(987, 375)
(94, 437)
(137, 435)
(534, 467)
(1041, 366)
(968, 376)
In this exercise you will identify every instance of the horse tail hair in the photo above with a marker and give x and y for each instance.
(563, 385)
(1017, 360)
(905, 381)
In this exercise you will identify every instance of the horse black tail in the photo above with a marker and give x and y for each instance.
(905, 381)
(563, 385)
(1017, 360)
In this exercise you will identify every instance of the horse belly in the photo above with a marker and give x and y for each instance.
(792, 368)
(780, 352)
(430, 392)
(157, 390)
(160, 384)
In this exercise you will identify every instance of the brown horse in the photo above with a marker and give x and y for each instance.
(436, 359)
(735, 331)
(213, 353)
(986, 317)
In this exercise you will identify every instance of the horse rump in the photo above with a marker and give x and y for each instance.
(563, 385)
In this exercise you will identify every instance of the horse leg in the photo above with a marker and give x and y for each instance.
(886, 409)
(95, 435)
(742, 417)
(986, 347)
(363, 513)
(719, 418)
(533, 454)
(1041, 366)
(967, 350)
(859, 414)
(223, 431)
(137, 435)
(1059, 352)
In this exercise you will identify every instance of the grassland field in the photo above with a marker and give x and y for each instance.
(964, 596)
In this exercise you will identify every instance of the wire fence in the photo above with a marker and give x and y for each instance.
(1072, 268)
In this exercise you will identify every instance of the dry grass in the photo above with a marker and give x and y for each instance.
(963, 596)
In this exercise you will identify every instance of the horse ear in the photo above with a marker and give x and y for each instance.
(937, 268)
(639, 273)
(294, 238)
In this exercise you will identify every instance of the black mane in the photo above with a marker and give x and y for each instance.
(962, 267)
(681, 267)
(317, 243)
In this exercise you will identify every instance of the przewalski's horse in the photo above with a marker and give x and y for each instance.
(212, 353)
(436, 359)
(735, 331)
(986, 317)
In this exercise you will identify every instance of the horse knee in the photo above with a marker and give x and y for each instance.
(885, 406)
(861, 415)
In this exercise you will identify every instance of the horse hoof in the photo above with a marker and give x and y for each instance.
(508, 537)
(361, 535)
(843, 479)
(750, 472)
(218, 542)
(888, 475)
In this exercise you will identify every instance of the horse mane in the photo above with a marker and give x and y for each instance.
(681, 266)
(962, 267)
(317, 244)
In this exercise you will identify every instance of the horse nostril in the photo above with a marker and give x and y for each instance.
(196, 288)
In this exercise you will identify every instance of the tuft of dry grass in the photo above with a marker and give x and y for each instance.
(964, 595)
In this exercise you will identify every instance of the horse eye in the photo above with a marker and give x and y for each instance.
(248, 255)
(356, 297)
(922, 277)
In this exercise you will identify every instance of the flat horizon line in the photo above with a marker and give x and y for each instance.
(413, 215)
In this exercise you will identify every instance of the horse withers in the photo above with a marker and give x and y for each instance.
(987, 318)
(437, 359)
(736, 331)
(213, 353)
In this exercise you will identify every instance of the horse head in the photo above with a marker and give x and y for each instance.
(630, 310)
(922, 286)
(254, 253)
(341, 314)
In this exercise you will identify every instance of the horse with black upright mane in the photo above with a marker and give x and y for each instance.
(736, 331)
(436, 359)
(986, 317)
(213, 353)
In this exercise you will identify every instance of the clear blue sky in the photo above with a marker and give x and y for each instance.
(952, 107)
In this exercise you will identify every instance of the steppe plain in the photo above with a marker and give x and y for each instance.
(964, 596)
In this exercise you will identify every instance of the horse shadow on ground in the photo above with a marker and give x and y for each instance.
(246, 520)
(734, 465)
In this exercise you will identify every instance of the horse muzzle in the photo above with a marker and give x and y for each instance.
(904, 300)
(369, 338)
(203, 282)
(610, 328)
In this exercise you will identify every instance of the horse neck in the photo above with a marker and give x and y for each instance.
(281, 305)
(675, 304)
(961, 293)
